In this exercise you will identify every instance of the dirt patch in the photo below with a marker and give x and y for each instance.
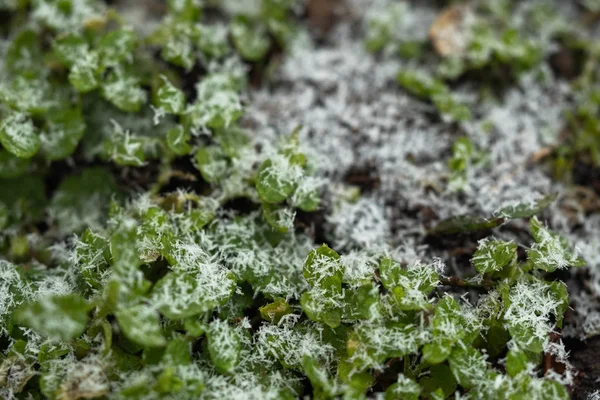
(585, 356)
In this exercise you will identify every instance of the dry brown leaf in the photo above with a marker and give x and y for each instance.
(449, 31)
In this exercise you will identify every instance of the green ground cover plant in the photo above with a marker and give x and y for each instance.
(208, 199)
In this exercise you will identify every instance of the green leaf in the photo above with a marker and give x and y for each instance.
(116, 47)
(493, 255)
(526, 210)
(321, 307)
(465, 224)
(178, 352)
(403, 389)
(84, 76)
(468, 366)
(361, 303)
(252, 42)
(440, 377)
(12, 166)
(19, 136)
(306, 197)
(215, 108)
(321, 381)
(437, 352)
(200, 217)
(224, 346)
(140, 323)
(280, 218)
(552, 390)
(62, 133)
(82, 200)
(25, 198)
(551, 251)
(178, 49)
(124, 147)
(124, 91)
(559, 291)
(181, 295)
(212, 40)
(93, 256)
(170, 98)
(195, 327)
(211, 162)
(273, 312)
(323, 268)
(275, 183)
(70, 47)
(450, 108)
(185, 10)
(178, 140)
(516, 361)
(59, 317)
(24, 54)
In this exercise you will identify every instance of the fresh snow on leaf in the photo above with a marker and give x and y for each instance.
(19, 136)
(59, 317)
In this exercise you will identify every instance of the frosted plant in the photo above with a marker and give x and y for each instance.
(216, 205)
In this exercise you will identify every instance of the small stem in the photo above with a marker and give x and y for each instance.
(459, 282)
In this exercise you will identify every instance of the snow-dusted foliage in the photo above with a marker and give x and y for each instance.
(226, 200)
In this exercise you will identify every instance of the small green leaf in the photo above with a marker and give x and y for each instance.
(526, 210)
(559, 291)
(24, 54)
(141, 325)
(124, 91)
(70, 47)
(84, 73)
(82, 200)
(274, 183)
(12, 166)
(195, 327)
(437, 352)
(493, 255)
(516, 361)
(468, 366)
(273, 312)
(178, 49)
(440, 377)
(306, 197)
(551, 251)
(117, 46)
(320, 379)
(252, 42)
(179, 295)
(200, 217)
(224, 346)
(19, 136)
(124, 147)
(403, 389)
(170, 98)
(62, 133)
(465, 224)
(211, 162)
(59, 317)
(280, 218)
(321, 308)
(323, 268)
(178, 140)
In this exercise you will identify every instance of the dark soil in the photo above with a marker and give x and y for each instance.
(585, 356)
